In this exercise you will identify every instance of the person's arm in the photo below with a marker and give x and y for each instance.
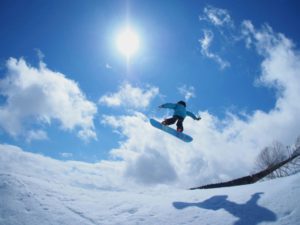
(190, 114)
(168, 106)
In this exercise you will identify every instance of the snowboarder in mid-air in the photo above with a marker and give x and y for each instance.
(179, 115)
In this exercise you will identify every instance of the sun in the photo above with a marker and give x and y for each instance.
(128, 42)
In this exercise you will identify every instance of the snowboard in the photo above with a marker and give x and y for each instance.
(180, 135)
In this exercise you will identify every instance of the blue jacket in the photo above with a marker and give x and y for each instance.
(179, 110)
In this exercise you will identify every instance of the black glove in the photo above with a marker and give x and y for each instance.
(198, 118)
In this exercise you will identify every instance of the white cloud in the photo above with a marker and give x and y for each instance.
(280, 70)
(187, 91)
(39, 96)
(66, 155)
(217, 16)
(205, 43)
(151, 167)
(36, 135)
(247, 29)
(130, 96)
(40, 54)
(108, 66)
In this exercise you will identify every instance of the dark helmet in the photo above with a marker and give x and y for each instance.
(182, 103)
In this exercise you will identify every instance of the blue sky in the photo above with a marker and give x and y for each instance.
(182, 49)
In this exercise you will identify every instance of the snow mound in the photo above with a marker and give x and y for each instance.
(38, 190)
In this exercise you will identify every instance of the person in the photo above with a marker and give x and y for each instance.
(179, 114)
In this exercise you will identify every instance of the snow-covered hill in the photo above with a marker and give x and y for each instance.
(36, 190)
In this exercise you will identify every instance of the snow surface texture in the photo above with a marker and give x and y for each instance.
(37, 190)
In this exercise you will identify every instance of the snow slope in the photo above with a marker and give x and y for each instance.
(36, 190)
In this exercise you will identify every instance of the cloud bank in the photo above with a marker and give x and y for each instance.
(39, 96)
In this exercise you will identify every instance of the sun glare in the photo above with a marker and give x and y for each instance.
(128, 42)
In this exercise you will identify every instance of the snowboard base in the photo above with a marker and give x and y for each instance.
(179, 135)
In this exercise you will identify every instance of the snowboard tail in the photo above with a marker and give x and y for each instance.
(179, 135)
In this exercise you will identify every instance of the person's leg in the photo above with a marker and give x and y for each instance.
(179, 124)
(169, 121)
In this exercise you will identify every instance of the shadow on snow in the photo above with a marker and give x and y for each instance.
(249, 213)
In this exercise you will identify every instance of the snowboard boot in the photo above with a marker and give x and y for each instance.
(164, 123)
(179, 130)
